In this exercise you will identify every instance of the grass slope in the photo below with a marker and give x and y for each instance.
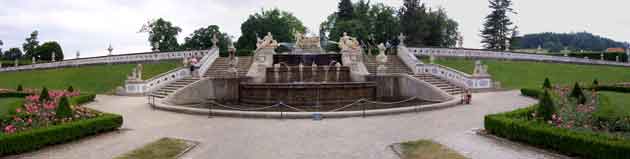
(527, 74)
(93, 79)
(9, 104)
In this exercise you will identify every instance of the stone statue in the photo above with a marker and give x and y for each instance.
(215, 40)
(0, 64)
(53, 57)
(298, 39)
(347, 43)
(78, 54)
(480, 69)
(16, 62)
(32, 60)
(381, 58)
(139, 69)
(401, 39)
(460, 41)
(267, 42)
(110, 49)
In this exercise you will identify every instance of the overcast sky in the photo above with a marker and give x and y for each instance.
(90, 25)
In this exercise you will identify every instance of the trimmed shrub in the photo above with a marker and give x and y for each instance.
(44, 96)
(578, 94)
(613, 89)
(534, 93)
(63, 109)
(82, 99)
(595, 83)
(19, 88)
(516, 126)
(547, 84)
(70, 89)
(546, 108)
(38, 138)
(14, 94)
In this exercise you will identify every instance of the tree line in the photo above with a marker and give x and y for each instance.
(32, 49)
(556, 42)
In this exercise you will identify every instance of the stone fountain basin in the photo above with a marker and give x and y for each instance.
(305, 94)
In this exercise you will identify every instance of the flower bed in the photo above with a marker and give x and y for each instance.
(519, 126)
(565, 120)
(51, 118)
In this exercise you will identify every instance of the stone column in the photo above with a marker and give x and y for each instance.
(601, 56)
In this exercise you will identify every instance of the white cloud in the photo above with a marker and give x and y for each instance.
(91, 25)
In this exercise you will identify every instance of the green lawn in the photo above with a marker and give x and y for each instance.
(617, 105)
(165, 148)
(9, 105)
(93, 79)
(426, 149)
(527, 74)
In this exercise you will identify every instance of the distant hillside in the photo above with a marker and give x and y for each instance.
(556, 42)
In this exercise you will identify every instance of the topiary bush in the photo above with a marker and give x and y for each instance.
(578, 94)
(19, 88)
(70, 89)
(547, 84)
(546, 108)
(530, 92)
(44, 96)
(63, 109)
(595, 83)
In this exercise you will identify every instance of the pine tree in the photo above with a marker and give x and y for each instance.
(546, 107)
(496, 29)
(578, 94)
(19, 88)
(31, 45)
(346, 10)
(70, 89)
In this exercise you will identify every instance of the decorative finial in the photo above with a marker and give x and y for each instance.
(215, 40)
(110, 49)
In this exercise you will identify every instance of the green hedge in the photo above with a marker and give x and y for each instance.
(38, 138)
(516, 126)
(530, 92)
(82, 99)
(14, 94)
(613, 89)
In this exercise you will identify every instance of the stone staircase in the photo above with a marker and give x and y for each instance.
(394, 65)
(172, 87)
(216, 70)
(441, 83)
(220, 66)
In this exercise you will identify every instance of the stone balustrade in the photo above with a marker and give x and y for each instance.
(124, 58)
(470, 53)
(146, 86)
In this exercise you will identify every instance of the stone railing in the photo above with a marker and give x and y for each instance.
(125, 58)
(408, 56)
(146, 86)
(205, 63)
(455, 76)
(470, 53)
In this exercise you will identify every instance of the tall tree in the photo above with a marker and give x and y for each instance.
(201, 39)
(281, 24)
(496, 30)
(31, 44)
(45, 51)
(413, 17)
(346, 10)
(162, 33)
(1, 43)
(12, 54)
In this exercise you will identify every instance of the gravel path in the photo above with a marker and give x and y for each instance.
(348, 138)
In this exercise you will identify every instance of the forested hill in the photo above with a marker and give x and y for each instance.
(556, 42)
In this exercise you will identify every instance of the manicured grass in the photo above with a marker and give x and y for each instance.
(527, 74)
(426, 149)
(165, 148)
(93, 79)
(9, 104)
(618, 105)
